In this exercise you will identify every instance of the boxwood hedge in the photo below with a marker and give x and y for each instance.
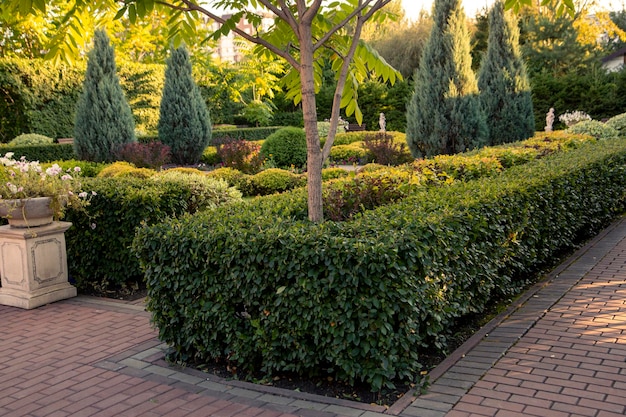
(98, 243)
(258, 285)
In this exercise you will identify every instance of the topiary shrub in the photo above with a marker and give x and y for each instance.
(233, 177)
(125, 169)
(349, 154)
(206, 192)
(593, 128)
(618, 123)
(286, 147)
(30, 139)
(151, 155)
(275, 180)
(187, 170)
(334, 173)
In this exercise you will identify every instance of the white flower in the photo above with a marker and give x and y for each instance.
(54, 170)
(76, 169)
(82, 194)
(66, 177)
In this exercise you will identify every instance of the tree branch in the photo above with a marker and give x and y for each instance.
(377, 6)
(341, 81)
(254, 39)
(283, 12)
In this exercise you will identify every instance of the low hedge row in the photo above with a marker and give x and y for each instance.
(258, 285)
(220, 136)
(41, 153)
(98, 243)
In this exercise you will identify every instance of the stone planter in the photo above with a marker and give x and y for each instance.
(33, 265)
(27, 212)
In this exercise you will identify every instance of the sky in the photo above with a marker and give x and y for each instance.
(413, 7)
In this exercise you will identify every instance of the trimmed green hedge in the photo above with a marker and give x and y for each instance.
(41, 153)
(260, 285)
(98, 243)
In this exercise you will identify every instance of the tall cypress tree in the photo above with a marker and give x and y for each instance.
(103, 117)
(444, 115)
(184, 122)
(505, 90)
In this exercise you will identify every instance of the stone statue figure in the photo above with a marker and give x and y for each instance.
(382, 122)
(549, 120)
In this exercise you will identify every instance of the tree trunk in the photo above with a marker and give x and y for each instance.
(314, 153)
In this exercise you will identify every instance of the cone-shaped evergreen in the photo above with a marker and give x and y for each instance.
(444, 115)
(505, 90)
(184, 122)
(103, 116)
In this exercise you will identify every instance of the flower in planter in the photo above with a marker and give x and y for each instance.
(23, 180)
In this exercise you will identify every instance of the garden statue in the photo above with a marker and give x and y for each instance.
(382, 122)
(549, 120)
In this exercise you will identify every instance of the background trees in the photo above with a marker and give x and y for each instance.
(504, 86)
(103, 116)
(444, 115)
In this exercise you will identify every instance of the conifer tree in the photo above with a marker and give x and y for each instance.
(184, 122)
(505, 90)
(444, 115)
(103, 117)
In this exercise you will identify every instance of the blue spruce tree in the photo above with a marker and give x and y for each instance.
(184, 121)
(444, 115)
(505, 90)
(103, 117)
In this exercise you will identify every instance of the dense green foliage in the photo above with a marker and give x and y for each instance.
(37, 97)
(595, 92)
(99, 256)
(444, 115)
(258, 284)
(184, 122)
(504, 86)
(103, 116)
(41, 153)
(286, 147)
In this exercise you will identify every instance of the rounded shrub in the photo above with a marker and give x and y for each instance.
(186, 170)
(29, 139)
(333, 173)
(233, 177)
(618, 123)
(349, 154)
(205, 192)
(124, 170)
(275, 180)
(286, 147)
(210, 156)
(594, 128)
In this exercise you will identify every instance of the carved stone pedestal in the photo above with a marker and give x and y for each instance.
(33, 265)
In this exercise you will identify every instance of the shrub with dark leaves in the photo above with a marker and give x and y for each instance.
(151, 155)
(241, 155)
(385, 150)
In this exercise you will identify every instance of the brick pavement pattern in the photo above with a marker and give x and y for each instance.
(561, 351)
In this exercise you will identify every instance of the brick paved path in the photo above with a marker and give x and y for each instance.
(560, 352)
